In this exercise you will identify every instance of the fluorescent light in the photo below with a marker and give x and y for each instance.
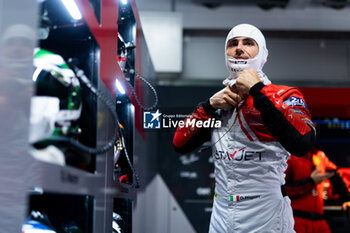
(124, 2)
(37, 72)
(119, 87)
(134, 32)
(72, 8)
(38, 190)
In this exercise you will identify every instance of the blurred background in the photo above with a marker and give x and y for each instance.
(308, 43)
(307, 40)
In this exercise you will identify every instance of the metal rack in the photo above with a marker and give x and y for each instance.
(32, 184)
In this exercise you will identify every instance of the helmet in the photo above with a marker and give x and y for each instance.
(57, 103)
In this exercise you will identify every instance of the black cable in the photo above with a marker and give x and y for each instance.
(153, 90)
(137, 179)
(131, 71)
(136, 97)
(213, 144)
(110, 103)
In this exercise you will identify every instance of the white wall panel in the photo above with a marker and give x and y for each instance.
(163, 34)
(153, 5)
(204, 58)
(289, 59)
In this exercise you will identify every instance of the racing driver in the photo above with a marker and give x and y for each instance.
(261, 125)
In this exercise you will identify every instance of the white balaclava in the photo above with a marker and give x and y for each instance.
(236, 66)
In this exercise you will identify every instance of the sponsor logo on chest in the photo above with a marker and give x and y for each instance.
(295, 101)
(242, 154)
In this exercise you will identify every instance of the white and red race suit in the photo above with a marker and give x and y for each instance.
(250, 151)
